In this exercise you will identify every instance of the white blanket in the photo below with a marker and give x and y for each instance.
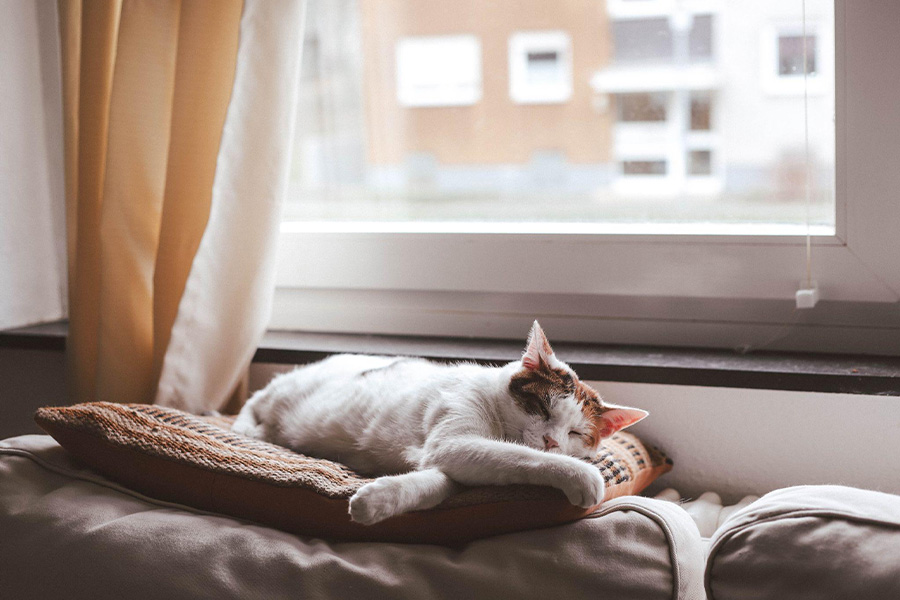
(707, 510)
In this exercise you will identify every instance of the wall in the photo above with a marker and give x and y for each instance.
(495, 130)
(30, 379)
(733, 441)
(738, 441)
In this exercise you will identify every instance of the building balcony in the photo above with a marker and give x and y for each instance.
(627, 78)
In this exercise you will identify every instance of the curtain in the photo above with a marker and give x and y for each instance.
(178, 124)
(32, 242)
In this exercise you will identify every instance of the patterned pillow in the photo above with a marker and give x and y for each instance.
(175, 456)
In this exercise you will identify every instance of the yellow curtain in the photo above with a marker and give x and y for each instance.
(146, 88)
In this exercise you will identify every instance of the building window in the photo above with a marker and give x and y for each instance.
(700, 163)
(700, 44)
(654, 168)
(439, 71)
(641, 107)
(636, 40)
(790, 55)
(782, 59)
(540, 67)
(701, 111)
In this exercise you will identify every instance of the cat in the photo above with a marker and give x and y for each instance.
(424, 428)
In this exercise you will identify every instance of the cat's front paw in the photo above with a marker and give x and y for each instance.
(584, 485)
(374, 502)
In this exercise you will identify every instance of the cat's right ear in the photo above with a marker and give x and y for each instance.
(538, 351)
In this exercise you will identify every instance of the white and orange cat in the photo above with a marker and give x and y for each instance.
(423, 428)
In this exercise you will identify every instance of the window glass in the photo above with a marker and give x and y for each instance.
(700, 43)
(508, 112)
(790, 55)
(641, 107)
(642, 40)
(543, 67)
(701, 111)
(644, 167)
(700, 162)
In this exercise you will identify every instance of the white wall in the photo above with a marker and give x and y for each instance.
(738, 441)
(29, 379)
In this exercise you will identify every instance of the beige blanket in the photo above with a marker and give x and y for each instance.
(68, 533)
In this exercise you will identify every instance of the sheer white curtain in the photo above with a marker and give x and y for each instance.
(32, 239)
(227, 301)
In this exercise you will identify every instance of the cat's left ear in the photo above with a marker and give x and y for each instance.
(538, 350)
(615, 418)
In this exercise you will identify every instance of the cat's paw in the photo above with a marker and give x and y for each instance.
(374, 502)
(584, 485)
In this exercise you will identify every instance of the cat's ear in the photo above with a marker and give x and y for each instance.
(615, 418)
(538, 351)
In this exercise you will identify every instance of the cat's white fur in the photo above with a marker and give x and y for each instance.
(423, 428)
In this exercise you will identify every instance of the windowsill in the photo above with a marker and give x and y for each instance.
(831, 373)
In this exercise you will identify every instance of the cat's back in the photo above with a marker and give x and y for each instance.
(344, 382)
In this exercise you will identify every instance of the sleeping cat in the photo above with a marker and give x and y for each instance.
(423, 428)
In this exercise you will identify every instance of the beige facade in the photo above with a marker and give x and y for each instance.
(495, 129)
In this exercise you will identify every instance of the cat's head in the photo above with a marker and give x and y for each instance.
(562, 413)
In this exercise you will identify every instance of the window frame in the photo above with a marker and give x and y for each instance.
(773, 82)
(615, 285)
(523, 43)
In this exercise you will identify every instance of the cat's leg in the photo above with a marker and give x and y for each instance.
(246, 422)
(474, 460)
(396, 494)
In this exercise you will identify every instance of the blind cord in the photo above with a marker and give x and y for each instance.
(806, 150)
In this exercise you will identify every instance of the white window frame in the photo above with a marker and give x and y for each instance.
(653, 285)
(411, 95)
(521, 44)
(642, 9)
(776, 84)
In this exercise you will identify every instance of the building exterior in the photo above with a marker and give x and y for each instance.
(485, 93)
(709, 95)
(597, 101)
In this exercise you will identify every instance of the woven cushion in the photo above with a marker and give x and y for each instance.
(171, 455)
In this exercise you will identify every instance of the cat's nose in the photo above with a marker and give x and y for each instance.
(549, 442)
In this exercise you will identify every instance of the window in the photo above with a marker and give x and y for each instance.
(700, 44)
(791, 55)
(540, 67)
(700, 162)
(439, 71)
(643, 107)
(782, 59)
(642, 40)
(701, 111)
(471, 219)
(644, 167)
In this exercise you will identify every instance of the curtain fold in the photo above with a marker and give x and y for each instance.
(149, 89)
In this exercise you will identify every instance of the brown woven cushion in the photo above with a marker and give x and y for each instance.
(175, 456)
